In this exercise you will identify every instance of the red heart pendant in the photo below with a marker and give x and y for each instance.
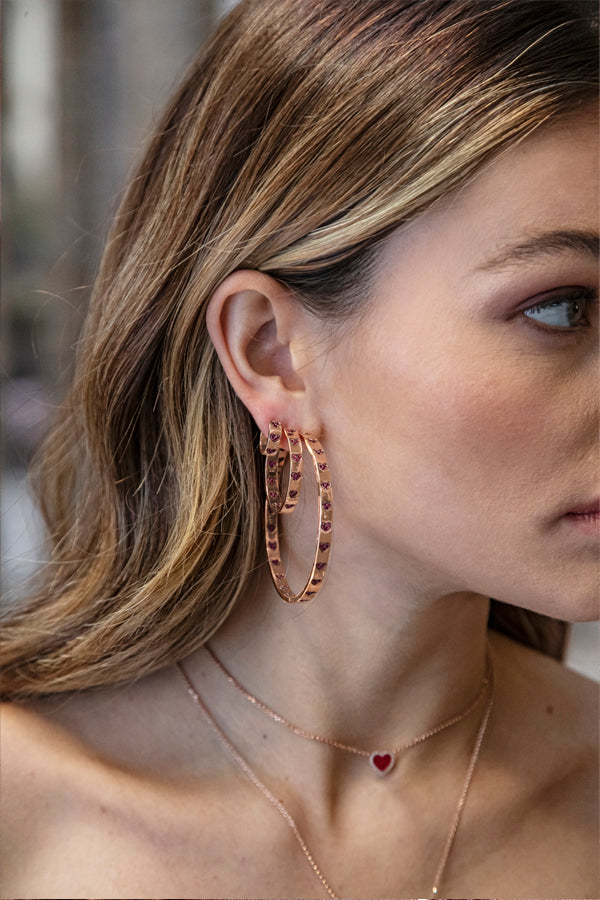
(382, 763)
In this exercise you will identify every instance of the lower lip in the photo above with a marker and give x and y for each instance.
(589, 523)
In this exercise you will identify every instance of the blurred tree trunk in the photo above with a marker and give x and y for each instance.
(83, 81)
(119, 61)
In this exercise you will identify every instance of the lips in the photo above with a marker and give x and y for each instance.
(586, 509)
(585, 518)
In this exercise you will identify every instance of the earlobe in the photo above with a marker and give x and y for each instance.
(254, 325)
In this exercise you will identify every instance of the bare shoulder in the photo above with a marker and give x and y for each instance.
(547, 716)
(103, 792)
(116, 731)
(36, 753)
(40, 764)
(539, 685)
(543, 754)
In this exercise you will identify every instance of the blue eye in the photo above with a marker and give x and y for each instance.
(561, 312)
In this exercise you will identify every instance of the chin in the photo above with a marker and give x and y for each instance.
(563, 586)
(570, 605)
(592, 614)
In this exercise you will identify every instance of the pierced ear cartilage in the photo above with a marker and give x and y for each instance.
(270, 447)
(318, 572)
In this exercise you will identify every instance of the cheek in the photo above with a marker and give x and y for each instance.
(452, 421)
(466, 429)
(484, 419)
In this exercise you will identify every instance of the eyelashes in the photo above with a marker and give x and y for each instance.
(563, 310)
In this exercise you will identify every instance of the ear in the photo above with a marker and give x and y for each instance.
(261, 334)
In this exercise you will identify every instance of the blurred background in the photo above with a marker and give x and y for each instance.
(82, 84)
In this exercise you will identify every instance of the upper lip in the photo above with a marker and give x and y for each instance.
(585, 509)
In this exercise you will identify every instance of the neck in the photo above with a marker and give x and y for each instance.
(372, 662)
(385, 652)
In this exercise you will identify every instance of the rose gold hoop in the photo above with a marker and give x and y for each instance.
(270, 447)
(324, 537)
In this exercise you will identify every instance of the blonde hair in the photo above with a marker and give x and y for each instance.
(302, 136)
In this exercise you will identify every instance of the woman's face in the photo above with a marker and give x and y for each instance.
(461, 417)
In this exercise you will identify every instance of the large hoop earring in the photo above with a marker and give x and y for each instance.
(274, 506)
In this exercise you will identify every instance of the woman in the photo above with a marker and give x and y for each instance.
(361, 246)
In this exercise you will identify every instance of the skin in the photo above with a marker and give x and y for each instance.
(460, 430)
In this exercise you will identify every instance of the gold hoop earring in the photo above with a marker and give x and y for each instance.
(274, 506)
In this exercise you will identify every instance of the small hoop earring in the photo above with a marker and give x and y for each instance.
(274, 506)
(270, 446)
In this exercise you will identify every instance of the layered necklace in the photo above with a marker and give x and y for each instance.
(381, 761)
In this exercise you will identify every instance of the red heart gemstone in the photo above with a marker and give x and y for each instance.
(382, 763)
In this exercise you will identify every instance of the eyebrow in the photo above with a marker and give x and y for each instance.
(545, 244)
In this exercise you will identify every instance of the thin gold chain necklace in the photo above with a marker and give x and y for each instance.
(381, 761)
(285, 813)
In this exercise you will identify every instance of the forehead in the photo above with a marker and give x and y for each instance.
(547, 183)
